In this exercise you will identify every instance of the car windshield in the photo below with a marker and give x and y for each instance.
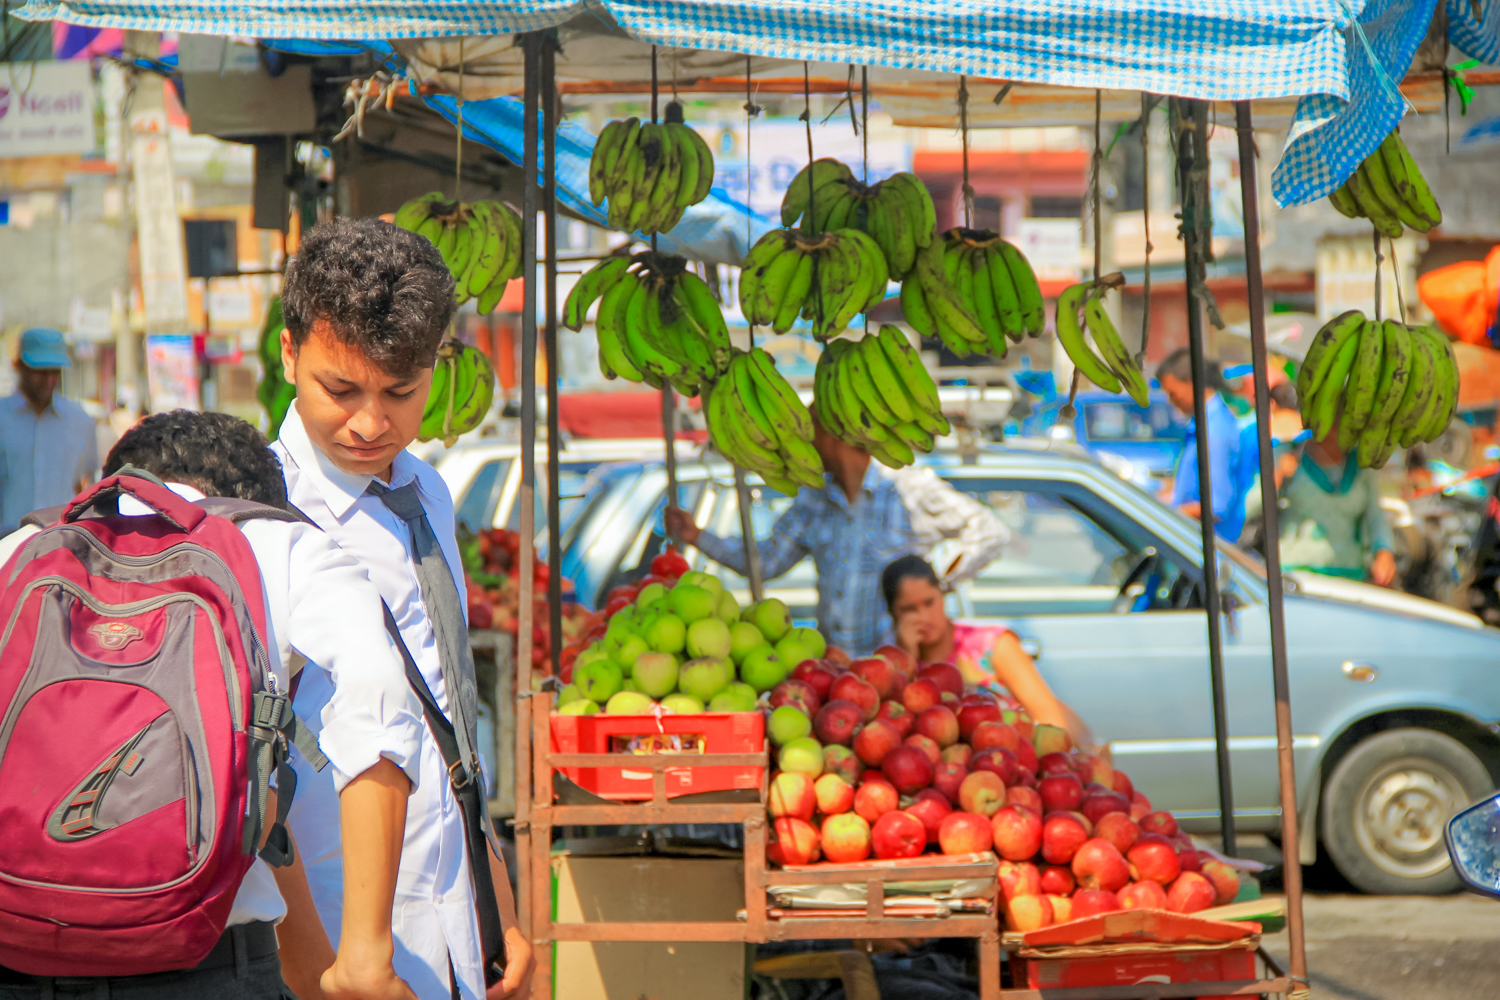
(1122, 421)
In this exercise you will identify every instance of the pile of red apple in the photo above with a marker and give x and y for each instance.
(491, 560)
(912, 763)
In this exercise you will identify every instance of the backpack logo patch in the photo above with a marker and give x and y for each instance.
(115, 635)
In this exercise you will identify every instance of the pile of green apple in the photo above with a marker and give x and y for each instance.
(687, 648)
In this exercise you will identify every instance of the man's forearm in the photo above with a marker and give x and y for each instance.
(372, 813)
(305, 950)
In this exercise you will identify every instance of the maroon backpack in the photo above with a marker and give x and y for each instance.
(139, 725)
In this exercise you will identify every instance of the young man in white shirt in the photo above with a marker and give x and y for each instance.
(321, 608)
(366, 305)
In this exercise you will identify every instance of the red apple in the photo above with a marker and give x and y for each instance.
(1152, 861)
(964, 833)
(1099, 770)
(1159, 822)
(1190, 860)
(1088, 827)
(1050, 739)
(1139, 812)
(836, 658)
(1121, 783)
(1019, 878)
(798, 694)
(1181, 841)
(931, 807)
(873, 799)
(1060, 792)
(1025, 777)
(845, 838)
(994, 734)
(1226, 881)
(1058, 881)
(1092, 902)
(1029, 913)
(908, 768)
(840, 760)
(939, 724)
(897, 714)
(981, 793)
(1062, 836)
(1137, 798)
(1096, 807)
(835, 795)
(875, 739)
(1018, 795)
(879, 674)
(1062, 908)
(791, 794)
(950, 699)
(1190, 893)
(849, 687)
(837, 721)
(997, 759)
(947, 777)
(792, 841)
(1017, 832)
(1143, 896)
(1055, 763)
(973, 714)
(945, 676)
(927, 745)
(1026, 754)
(958, 753)
(898, 834)
(920, 695)
(1097, 865)
(1119, 829)
(898, 658)
(815, 674)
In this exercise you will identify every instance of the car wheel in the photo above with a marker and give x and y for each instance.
(1386, 804)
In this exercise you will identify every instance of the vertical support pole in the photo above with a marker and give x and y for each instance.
(669, 443)
(1286, 764)
(548, 59)
(1192, 163)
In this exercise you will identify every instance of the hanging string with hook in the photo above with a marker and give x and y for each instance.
(1146, 104)
(864, 120)
(1096, 163)
(1379, 259)
(811, 213)
(963, 127)
(752, 110)
(655, 99)
(1396, 279)
(458, 157)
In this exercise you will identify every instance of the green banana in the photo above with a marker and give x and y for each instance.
(417, 211)
(984, 300)
(1371, 207)
(1070, 336)
(1326, 397)
(1380, 182)
(1409, 182)
(595, 282)
(942, 298)
(1003, 287)
(1112, 351)
(883, 374)
(1395, 371)
(1359, 395)
(799, 195)
(1343, 201)
(795, 294)
(1321, 354)
(769, 377)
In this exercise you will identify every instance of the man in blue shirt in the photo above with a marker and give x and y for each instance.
(48, 451)
(1175, 375)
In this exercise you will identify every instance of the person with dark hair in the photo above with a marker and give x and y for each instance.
(986, 655)
(323, 613)
(1175, 375)
(366, 305)
(48, 448)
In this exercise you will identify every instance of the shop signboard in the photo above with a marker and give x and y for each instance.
(46, 108)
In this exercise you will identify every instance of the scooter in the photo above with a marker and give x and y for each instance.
(1473, 838)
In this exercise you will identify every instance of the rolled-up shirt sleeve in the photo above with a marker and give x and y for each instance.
(334, 619)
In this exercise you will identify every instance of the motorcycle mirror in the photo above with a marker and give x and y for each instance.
(1473, 838)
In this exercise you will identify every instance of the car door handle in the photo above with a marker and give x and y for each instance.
(1364, 673)
(1032, 648)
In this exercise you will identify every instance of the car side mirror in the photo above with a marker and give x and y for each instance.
(1473, 838)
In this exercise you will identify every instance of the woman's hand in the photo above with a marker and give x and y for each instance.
(1383, 568)
(909, 636)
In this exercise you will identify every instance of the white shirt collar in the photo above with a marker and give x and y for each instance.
(339, 489)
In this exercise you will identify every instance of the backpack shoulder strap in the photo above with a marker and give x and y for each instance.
(44, 517)
(240, 511)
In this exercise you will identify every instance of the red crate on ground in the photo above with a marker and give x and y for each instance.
(682, 735)
(1169, 966)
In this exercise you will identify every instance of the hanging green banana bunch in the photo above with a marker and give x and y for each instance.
(463, 387)
(876, 394)
(274, 391)
(650, 173)
(480, 243)
(972, 290)
(1390, 191)
(896, 212)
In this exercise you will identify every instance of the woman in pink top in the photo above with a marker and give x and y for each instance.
(986, 655)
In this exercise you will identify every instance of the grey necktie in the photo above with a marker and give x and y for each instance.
(443, 607)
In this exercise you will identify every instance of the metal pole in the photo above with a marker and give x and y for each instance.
(549, 209)
(527, 499)
(1286, 765)
(669, 440)
(1192, 161)
(747, 536)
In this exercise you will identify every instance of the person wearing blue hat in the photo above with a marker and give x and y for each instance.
(48, 449)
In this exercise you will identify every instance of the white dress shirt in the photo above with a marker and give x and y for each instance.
(42, 458)
(319, 603)
(433, 919)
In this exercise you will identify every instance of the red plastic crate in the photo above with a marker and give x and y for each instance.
(686, 735)
(1223, 965)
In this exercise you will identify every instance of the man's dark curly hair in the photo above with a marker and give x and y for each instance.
(382, 290)
(219, 455)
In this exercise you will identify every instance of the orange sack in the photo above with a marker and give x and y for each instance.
(1464, 297)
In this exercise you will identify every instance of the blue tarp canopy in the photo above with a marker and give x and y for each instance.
(1342, 57)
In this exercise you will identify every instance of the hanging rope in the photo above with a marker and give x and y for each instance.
(1140, 357)
(864, 117)
(1379, 259)
(655, 97)
(811, 213)
(963, 128)
(751, 111)
(1096, 166)
(1396, 279)
(458, 158)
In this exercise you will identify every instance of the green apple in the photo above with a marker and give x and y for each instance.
(593, 654)
(691, 603)
(598, 680)
(682, 704)
(763, 668)
(704, 677)
(771, 617)
(629, 684)
(649, 593)
(708, 637)
(708, 582)
(801, 644)
(569, 694)
(581, 707)
(788, 723)
(628, 703)
(667, 634)
(728, 609)
(734, 698)
(803, 754)
(656, 673)
(743, 637)
(631, 647)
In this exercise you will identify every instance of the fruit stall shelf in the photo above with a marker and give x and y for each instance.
(537, 815)
(1084, 972)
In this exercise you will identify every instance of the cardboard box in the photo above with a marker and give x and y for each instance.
(648, 889)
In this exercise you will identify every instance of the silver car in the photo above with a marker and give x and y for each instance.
(1394, 699)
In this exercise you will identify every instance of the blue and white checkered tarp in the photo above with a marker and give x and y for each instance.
(713, 231)
(1209, 49)
(1479, 40)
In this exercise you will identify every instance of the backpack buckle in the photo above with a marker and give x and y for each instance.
(270, 710)
(458, 774)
